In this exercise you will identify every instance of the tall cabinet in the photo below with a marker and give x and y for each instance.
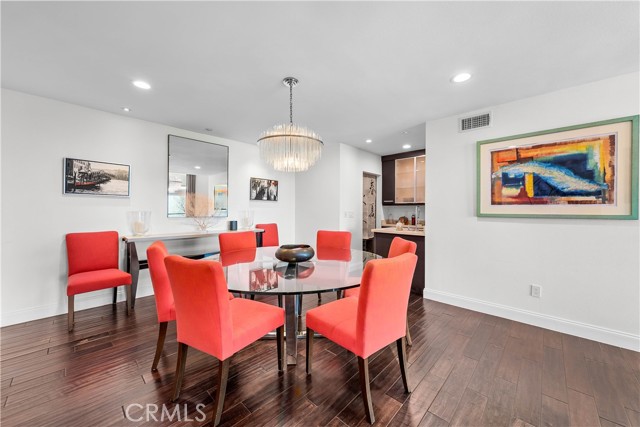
(403, 177)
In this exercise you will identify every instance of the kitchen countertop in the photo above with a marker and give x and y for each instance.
(389, 230)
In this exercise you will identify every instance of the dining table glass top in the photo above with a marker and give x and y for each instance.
(258, 271)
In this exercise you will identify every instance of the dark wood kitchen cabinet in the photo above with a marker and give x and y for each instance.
(403, 178)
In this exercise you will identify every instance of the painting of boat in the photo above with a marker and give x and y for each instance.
(89, 177)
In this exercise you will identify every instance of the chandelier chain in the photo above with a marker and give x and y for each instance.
(291, 103)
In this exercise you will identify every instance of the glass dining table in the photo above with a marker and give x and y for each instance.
(259, 272)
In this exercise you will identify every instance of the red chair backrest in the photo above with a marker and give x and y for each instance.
(333, 239)
(270, 235)
(156, 253)
(203, 315)
(401, 246)
(383, 301)
(92, 251)
(241, 240)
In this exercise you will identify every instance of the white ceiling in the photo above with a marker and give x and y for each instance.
(366, 69)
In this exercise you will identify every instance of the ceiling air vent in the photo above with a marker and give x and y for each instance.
(474, 122)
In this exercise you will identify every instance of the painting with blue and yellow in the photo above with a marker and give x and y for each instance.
(575, 171)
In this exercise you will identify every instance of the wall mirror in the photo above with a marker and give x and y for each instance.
(198, 178)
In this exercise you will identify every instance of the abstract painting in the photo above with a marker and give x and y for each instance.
(585, 171)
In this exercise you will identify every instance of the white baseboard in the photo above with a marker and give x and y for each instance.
(82, 302)
(571, 327)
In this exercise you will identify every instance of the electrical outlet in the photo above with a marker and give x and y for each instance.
(536, 291)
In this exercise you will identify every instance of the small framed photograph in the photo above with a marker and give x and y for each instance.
(95, 178)
(263, 189)
(582, 171)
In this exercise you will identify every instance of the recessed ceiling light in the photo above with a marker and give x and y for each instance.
(406, 146)
(141, 84)
(126, 109)
(462, 77)
(405, 132)
(197, 167)
(368, 141)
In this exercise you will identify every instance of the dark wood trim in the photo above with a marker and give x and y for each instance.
(409, 340)
(365, 389)
(133, 268)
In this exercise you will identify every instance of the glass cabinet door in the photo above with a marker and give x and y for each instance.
(405, 180)
(420, 179)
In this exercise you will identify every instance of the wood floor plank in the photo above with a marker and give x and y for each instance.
(553, 377)
(448, 398)
(554, 412)
(528, 393)
(582, 409)
(431, 420)
(607, 393)
(476, 345)
(482, 378)
(509, 366)
(415, 408)
(470, 409)
(575, 365)
(500, 404)
(552, 339)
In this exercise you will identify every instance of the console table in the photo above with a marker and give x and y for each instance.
(133, 264)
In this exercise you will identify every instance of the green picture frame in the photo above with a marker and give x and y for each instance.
(586, 171)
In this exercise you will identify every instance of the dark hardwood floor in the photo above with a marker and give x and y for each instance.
(465, 369)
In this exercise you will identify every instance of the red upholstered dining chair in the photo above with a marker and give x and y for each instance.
(270, 235)
(398, 246)
(165, 307)
(237, 241)
(209, 321)
(93, 265)
(370, 322)
(333, 245)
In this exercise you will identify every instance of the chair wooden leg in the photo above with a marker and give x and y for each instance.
(280, 346)
(70, 308)
(223, 376)
(403, 363)
(182, 361)
(129, 299)
(280, 301)
(319, 298)
(363, 367)
(409, 340)
(338, 295)
(162, 333)
(115, 294)
(310, 335)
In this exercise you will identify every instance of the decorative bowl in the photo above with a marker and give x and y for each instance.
(294, 253)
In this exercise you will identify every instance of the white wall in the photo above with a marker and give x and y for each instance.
(318, 196)
(37, 133)
(353, 163)
(588, 269)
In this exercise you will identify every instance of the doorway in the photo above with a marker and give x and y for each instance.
(369, 209)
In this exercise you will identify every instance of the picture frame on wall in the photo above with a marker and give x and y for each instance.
(263, 189)
(89, 177)
(583, 171)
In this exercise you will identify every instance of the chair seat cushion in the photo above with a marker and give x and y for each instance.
(337, 322)
(353, 292)
(95, 280)
(244, 313)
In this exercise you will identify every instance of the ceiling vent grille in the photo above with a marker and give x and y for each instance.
(474, 122)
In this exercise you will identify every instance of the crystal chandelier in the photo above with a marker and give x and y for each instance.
(289, 147)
